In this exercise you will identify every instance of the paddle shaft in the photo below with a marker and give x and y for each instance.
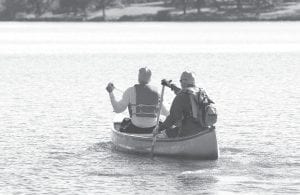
(157, 122)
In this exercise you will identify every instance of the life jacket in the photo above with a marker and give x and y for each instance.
(203, 111)
(146, 102)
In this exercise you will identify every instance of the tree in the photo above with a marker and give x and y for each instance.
(239, 4)
(199, 4)
(183, 4)
(74, 5)
(257, 5)
(38, 7)
(11, 8)
(103, 4)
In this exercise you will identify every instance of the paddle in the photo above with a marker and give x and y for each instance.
(157, 122)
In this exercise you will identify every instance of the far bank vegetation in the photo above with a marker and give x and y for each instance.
(81, 9)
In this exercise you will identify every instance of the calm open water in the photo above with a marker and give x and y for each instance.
(55, 114)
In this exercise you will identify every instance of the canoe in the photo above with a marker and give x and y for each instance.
(199, 146)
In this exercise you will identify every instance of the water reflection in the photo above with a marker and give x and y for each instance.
(196, 182)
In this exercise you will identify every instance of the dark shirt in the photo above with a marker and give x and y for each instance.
(181, 110)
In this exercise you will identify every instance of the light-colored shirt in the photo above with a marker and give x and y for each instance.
(129, 97)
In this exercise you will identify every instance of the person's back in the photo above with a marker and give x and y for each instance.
(182, 108)
(142, 102)
(181, 111)
(143, 105)
(145, 102)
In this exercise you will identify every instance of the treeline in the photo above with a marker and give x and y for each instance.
(14, 9)
(239, 5)
(10, 9)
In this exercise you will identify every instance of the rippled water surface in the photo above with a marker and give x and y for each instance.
(55, 114)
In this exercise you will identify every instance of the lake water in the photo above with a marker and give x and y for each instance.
(55, 114)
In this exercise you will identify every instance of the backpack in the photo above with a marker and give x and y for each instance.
(210, 115)
(203, 111)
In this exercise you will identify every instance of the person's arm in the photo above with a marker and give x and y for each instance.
(175, 89)
(176, 112)
(120, 106)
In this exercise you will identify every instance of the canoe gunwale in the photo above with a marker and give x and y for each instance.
(150, 137)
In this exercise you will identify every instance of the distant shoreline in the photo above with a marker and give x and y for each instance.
(157, 12)
(137, 19)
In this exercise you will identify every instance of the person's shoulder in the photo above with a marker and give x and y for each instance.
(129, 90)
(180, 100)
(188, 91)
(181, 96)
(153, 88)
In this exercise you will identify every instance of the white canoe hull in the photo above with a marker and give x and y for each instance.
(201, 146)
